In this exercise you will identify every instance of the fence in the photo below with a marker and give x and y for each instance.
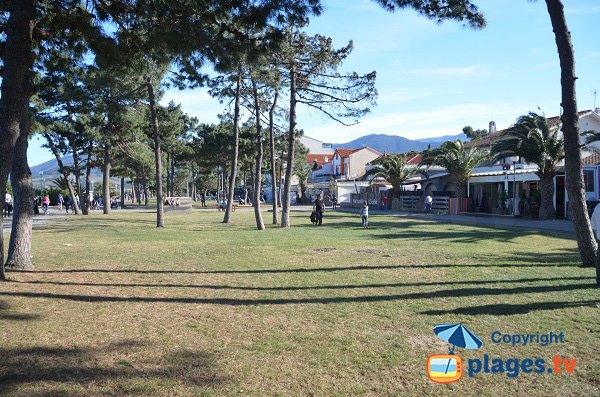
(413, 202)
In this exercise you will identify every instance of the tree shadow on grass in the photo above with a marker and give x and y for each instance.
(314, 269)
(448, 293)
(453, 236)
(308, 288)
(6, 313)
(510, 309)
(53, 367)
(557, 256)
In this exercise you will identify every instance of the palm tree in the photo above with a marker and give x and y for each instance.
(393, 169)
(302, 171)
(532, 139)
(591, 136)
(457, 161)
(61, 182)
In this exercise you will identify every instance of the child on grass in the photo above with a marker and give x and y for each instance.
(364, 214)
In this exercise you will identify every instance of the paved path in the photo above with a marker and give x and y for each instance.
(560, 225)
(565, 226)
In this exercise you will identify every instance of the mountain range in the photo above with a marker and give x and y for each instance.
(396, 144)
(380, 142)
(49, 170)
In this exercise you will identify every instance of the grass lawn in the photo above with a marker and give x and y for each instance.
(117, 307)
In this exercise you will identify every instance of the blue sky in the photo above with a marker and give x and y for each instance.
(434, 79)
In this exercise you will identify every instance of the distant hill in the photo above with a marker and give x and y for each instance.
(50, 169)
(440, 139)
(394, 143)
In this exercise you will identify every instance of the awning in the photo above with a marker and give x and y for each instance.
(503, 176)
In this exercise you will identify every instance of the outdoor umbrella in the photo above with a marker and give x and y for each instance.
(457, 335)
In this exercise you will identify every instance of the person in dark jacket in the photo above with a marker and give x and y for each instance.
(319, 208)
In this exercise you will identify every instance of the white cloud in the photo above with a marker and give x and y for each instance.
(196, 103)
(423, 124)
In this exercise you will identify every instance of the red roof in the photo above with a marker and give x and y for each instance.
(344, 152)
(414, 158)
(410, 158)
(593, 159)
(310, 159)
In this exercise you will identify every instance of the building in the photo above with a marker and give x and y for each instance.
(352, 163)
(515, 181)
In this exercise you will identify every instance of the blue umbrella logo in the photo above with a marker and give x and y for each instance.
(457, 335)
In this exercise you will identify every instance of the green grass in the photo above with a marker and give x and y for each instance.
(206, 309)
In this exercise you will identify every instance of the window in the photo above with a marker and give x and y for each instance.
(588, 177)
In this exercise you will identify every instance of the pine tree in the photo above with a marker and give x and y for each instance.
(310, 64)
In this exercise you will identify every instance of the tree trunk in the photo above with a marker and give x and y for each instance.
(88, 173)
(260, 225)
(138, 193)
(160, 222)
(273, 171)
(280, 175)
(19, 248)
(573, 168)
(461, 190)
(106, 178)
(62, 170)
(289, 172)
(145, 189)
(77, 171)
(236, 145)
(169, 188)
(172, 175)
(194, 198)
(547, 210)
(15, 92)
(122, 192)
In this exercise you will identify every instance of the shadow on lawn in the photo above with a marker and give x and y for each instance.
(454, 236)
(322, 287)
(7, 314)
(447, 293)
(510, 309)
(315, 269)
(52, 367)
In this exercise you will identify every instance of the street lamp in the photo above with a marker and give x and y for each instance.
(514, 187)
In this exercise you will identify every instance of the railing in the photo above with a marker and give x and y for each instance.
(413, 203)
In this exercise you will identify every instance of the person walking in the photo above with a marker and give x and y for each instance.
(60, 201)
(364, 214)
(334, 201)
(319, 208)
(8, 204)
(45, 203)
(384, 202)
(203, 199)
(428, 203)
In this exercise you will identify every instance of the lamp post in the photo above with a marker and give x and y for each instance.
(514, 188)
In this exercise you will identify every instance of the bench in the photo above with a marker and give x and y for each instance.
(223, 207)
(185, 204)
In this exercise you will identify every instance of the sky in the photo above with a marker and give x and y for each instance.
(434, 79)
